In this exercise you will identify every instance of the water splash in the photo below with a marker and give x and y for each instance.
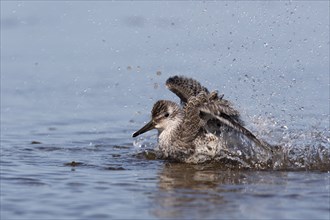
(295, 150)
(306, 150)
(145, 142)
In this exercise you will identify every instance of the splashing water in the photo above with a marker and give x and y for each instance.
(292, 149)
(304, 150)
(296, 149)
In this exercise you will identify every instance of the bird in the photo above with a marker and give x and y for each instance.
(204, 127)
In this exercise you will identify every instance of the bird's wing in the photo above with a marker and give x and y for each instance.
(222, 106)
(225, 115)
(213, 105)
(184, 87)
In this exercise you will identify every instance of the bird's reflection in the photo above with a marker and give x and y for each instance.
(199, 190)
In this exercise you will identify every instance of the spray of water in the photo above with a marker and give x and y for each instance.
(296, 149)
(293, 149)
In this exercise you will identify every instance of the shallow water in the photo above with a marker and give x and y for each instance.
(78, 78)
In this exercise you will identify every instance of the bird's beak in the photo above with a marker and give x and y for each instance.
(150, 125)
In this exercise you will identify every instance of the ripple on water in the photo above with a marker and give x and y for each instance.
(24, 181)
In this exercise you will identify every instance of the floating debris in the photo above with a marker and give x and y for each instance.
(115, 168)
(73, 164)
(36, 142)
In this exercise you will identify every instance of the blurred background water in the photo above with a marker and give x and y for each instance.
(77, 78)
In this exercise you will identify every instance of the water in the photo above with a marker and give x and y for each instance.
(78, 78)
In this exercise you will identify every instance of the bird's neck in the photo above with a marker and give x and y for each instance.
(168, 135)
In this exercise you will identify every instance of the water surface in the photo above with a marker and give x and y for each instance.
(77, 79)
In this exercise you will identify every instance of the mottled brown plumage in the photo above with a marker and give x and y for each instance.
(201, 128)
(184, 87)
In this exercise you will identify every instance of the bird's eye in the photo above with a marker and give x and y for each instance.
(166, 115)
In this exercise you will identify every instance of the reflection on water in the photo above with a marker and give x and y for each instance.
(203, 191)
(182, 186)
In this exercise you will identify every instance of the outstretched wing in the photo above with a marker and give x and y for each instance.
(214, 110)
(213, 105)
(184, 87)
(222, 106)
